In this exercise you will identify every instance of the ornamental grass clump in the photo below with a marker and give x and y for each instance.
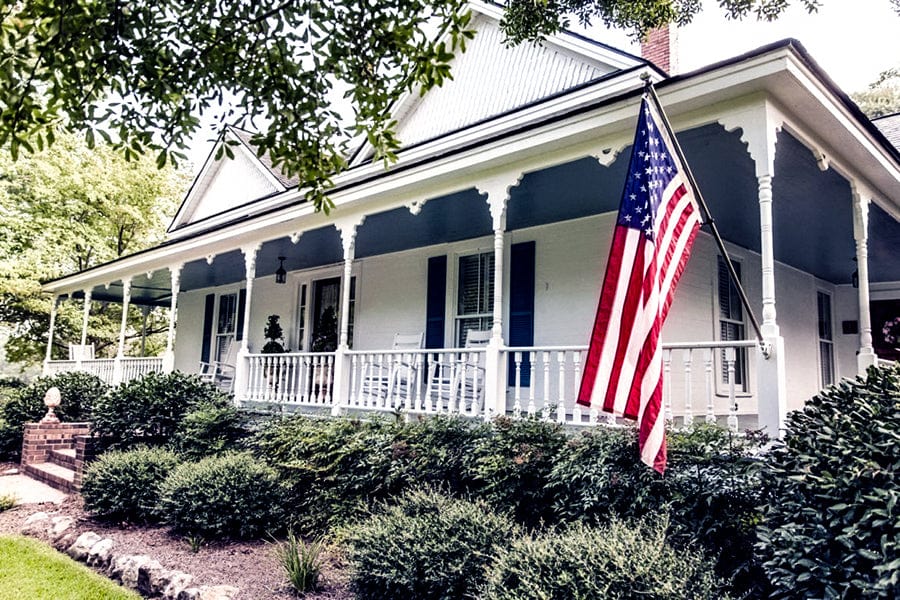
(832, 526)
(125, 485)
(234, 496)
(622, 560)
(301, 562)
(425, 546)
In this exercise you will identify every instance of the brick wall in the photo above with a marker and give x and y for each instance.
(85, 452)
(41, 438)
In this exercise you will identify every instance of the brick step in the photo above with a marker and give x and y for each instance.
(64, 457)
(54, 475)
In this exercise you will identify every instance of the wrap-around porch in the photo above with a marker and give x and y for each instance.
(531, 363)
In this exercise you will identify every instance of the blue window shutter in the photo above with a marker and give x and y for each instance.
(436, 302)
(521, 306)
(242, 304)
(208, 311)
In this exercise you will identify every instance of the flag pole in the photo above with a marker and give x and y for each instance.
(707, 216)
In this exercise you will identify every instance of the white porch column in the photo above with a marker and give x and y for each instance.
(866, 357)
(120, 353)
(169, 355)
(340, 390)
(497, 192)
(241, 367)
(50, 331)
(759, 126)
(84, 327)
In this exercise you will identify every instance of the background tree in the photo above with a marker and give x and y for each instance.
(66, 208)
(146, 70)
(883, 97)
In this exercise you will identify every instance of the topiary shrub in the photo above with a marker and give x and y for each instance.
(512, 464)
(147, 411)
(79, 393)
(124, 486)
(832, 526)
(621, 560)
(232, 496)
(425, 546)
(209, 429)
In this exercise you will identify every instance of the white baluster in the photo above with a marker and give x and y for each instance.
(545, 412)
(532, 365)
(593, 416)
(688, 388)
(667, 384)
(517, 405)
(710, 395)
(576, 414)
(561, 385)
(416, 376)
(732, 400)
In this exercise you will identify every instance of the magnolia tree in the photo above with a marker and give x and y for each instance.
(139, 74)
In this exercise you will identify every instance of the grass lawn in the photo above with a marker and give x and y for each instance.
(31, 569)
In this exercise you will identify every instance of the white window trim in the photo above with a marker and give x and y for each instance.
(720, 386)
(822, 384)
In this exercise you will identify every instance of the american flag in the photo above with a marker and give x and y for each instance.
(655, 229)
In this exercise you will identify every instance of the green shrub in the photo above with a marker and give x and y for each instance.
(425, 546)
(436, 451)
(148, 410)
(597, 477)
(832, 527)
(511, 467)
(7, 501)
(208, 429)
(335, 468)
(231, 496)
(125, 486)
(79, 393)
(620, 560)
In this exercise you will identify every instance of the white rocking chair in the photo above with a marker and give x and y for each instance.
(458, 384)
(221, 372)
(380, 381)
(79, 352)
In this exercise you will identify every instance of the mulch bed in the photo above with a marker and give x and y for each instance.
(249, 566)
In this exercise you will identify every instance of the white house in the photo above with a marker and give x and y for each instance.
(497, 217)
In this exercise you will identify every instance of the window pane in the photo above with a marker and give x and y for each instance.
(468, 285)
(729, 300)
(227, 310)
(824, 305)
(827, 360)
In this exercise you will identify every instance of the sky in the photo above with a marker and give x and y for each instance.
(852, 40)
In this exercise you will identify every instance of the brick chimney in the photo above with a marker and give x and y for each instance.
(661, 48)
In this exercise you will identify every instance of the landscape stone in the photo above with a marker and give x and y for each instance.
(60, 526)
(149, 572)
(178, 581)
(65, 540)
(79, 550)
(36, 524)
(127, 568)
(217, 592)
(190, 593)
(100, 554)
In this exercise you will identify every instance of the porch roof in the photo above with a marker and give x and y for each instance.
(546, 143)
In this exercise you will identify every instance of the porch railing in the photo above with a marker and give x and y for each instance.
(134, 368)
(700, 380)
(446, 381)
(291, 378)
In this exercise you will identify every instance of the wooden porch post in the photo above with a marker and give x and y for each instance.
(340, 389)
(241, 367)
(50, 330)
(169, 355)
(497, 192)
(84, 326)
(759, 130)
(120, 353)
(866, 357)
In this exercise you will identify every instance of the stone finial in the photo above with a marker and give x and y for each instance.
(51, 401)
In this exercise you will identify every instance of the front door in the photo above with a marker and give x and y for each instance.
(326, 302)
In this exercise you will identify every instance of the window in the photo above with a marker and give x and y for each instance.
(731, 323)
(475, 295)
(324, 314)
(826, 341)
(226, 322)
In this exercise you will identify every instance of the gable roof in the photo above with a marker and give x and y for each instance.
(487, 79)
(889, 125)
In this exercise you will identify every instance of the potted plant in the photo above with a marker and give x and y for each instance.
(274, 334)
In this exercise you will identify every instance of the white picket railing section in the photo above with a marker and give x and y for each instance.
(446, 381)
(546, 379)
(290, 378)
(104, 368)
(134, 368)
(59, 366)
